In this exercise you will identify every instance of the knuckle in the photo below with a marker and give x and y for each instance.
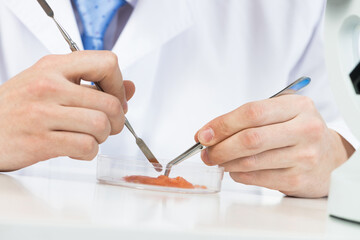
(311, 158)
(42, 87)
(114, 106)
(45, 85)
(306, 102)
(46, 61)
(35, 112)
(101, 123)
(110, 61)
(254, 111)
(249, 163)
(317, 127)
(251, 139)
(221, 126)
(314, 128)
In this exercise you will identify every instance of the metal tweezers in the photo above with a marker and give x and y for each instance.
(290, 89)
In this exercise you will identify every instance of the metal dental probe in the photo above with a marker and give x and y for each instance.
(73, 46)
(292, 88)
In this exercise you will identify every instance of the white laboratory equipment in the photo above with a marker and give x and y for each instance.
(342, 32)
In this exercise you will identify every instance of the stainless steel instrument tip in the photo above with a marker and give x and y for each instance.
(185, 155)
(46, 8)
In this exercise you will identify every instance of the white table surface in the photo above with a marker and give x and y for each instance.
(47, 201)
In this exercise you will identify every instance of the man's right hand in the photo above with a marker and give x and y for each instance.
(45, 113)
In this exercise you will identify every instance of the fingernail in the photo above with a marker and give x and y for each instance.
(205, 156)
(205, 136)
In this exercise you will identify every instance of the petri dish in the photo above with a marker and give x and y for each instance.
(116, 170)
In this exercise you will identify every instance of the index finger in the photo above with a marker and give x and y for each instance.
(254, 114)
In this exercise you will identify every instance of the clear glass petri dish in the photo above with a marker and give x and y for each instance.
(114, 170)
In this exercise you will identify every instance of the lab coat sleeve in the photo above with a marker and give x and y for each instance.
(312, 64)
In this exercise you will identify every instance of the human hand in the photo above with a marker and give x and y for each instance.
(45, 113)
(280, 143)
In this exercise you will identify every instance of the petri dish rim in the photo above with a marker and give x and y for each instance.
(129, 161)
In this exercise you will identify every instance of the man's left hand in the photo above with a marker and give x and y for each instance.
(280, 143)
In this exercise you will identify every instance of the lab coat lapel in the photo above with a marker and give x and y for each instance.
(38, 23)
(146, 30)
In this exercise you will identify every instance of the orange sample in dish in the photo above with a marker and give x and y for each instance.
(162, 180)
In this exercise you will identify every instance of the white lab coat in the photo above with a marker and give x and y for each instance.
(191, 60)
